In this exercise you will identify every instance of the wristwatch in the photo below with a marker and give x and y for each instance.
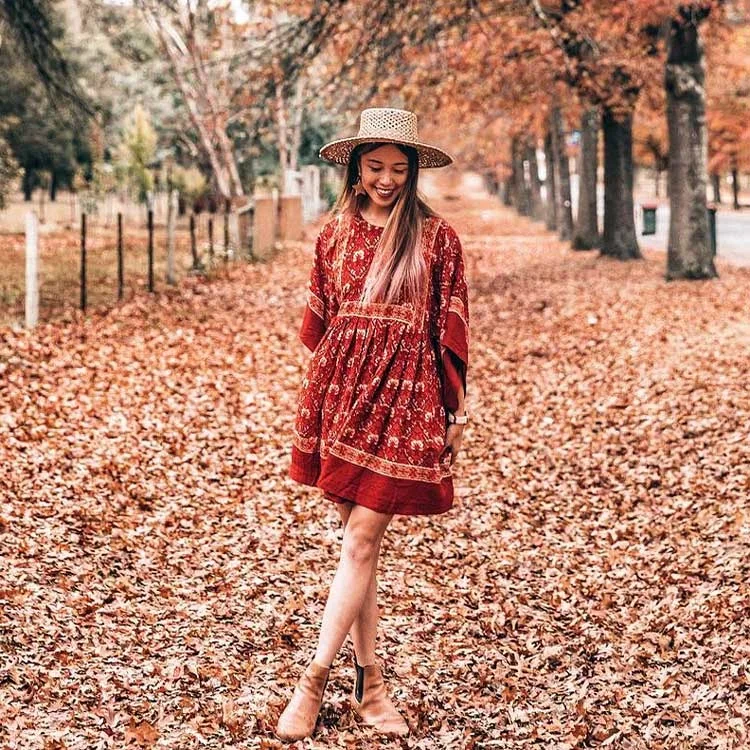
(453, 419)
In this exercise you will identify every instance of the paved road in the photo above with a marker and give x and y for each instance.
(732, 234)
(732, 227)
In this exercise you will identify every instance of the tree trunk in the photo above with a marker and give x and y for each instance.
(586, 234)
(216, 115)
(493, 186)
(53, 187)
(735, 189)
(565, 205)
(550, 182)
(657, 181)
(27, 184)
(513, 179)
(202, 108)
(508, 192)
(298, 111)
(282, 138)
(619, 238)
(535, 185)
(521, 193)
(716, 185)
(689, 253)
(227, 152)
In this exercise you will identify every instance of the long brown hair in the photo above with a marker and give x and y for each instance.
(398, 270)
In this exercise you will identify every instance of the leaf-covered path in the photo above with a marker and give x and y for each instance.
(161, 579)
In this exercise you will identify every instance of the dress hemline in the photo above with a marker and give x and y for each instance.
(377, 492)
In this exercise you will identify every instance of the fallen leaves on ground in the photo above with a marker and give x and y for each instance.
(162, 579)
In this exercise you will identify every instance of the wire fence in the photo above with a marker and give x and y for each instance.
(101, 261)
(80, 252)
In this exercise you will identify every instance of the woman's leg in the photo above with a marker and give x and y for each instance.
(370, 698)
(353, 580)
(365, 626)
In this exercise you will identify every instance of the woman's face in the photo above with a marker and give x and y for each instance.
(384, 172)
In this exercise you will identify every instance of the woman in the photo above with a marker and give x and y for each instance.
(381, 408)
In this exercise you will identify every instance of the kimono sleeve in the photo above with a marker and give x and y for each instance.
(321, 303)
(451, 325)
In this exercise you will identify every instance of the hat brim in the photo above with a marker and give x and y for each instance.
(430, 157)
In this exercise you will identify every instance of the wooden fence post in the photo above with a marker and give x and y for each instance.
(227, 209)
(32, 270)
(251, 231)
(83, 261)
(120, 260)
(171, 221)
(151, 250)
(197, 265)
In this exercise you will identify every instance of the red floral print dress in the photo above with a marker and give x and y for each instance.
(371, 417)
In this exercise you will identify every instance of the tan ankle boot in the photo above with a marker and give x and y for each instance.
(301, 714)
(372, 703)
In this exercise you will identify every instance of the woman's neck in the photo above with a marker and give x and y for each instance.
(375, 214)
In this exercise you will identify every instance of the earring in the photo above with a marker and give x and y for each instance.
(357, 187)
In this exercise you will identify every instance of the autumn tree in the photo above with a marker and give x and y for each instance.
(502, 60)
(602, 54)
(728, 105)
(198, 40)
(689, 252)
(562, 172)
(586, 233)
(489, 59)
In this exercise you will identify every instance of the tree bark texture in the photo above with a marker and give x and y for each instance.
(689, 254)
(735, 189)
(535, 185)
(565, 203)
(619, 238)
(550, 182)
(586, 235)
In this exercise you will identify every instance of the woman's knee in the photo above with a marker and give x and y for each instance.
(361, 544)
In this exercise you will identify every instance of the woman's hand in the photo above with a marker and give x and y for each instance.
(453, 437)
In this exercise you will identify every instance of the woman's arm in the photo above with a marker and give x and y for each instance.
(455, 432)
(460, 396)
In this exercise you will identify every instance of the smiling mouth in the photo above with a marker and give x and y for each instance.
(385, 193)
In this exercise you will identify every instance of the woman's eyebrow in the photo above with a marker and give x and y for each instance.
(396, 164)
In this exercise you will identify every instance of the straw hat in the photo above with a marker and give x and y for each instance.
(381, 125)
